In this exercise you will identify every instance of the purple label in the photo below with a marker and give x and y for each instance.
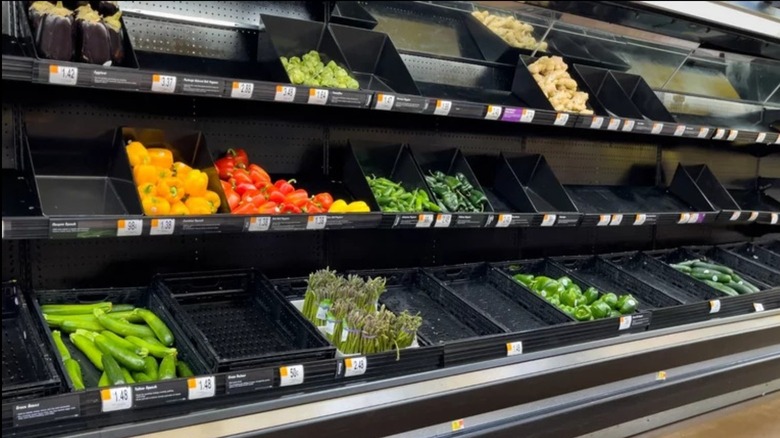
(512, 115)
(701, 217)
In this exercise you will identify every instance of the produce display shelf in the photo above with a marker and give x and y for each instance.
(756, 254)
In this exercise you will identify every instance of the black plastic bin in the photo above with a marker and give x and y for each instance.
(643, 97)
(492, 46)
(756, 254)
(20, 192)
(751, 270)
(139, 297)
(716, 194)
(29, 369)
(601, 85)
(237, 320)
(352, 14)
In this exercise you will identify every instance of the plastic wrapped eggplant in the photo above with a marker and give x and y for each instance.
(37, 11)
(93, 41)
(114, 28)
(54, 32)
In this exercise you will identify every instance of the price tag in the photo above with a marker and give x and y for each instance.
(733, 135)
(242, 90)
(625, 322)
(734, 216)
(753, 216)
(603, 220)
(527, 116)
(657, 128)
(457, 425)
(318, 96)
(596, 122)
(442, 107)
(62, 75)
(640, 219)
(628, 125)
(162, 227)
(259, 223)
(384, 101)
(774, 219)
(694, 218)
(777, 140)
(616, 219)
(679, 130)
(291, 375)
(330, 326)
(719, 134)
(442, 220)
(660, 376)
(116, 399)
(355, 366)
(759, 307)
(613, 124)
(561, 119)
(201, 387)
(514, 348)
(761, 137)
(493, 112)
(129, 227)
(703, 132)
(714, 306)
(548, 220)
(284, 93)
(163, 83)
(684, 218)
(424, 220)
(504, 220)
(316, 222)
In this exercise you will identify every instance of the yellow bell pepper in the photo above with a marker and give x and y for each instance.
(147, 189)
(146, 174)
(171, 188)
(197, 205)
(163, 173)
(155, 205)
(338, 206)
(161, 157)
(213, 199)
(180, 170)
(179, 209)
(196, 183)
(137, 153)
(358, 207)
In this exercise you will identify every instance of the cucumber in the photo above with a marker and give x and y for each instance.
(150, 367)
(740, 288)
(74, 309)
(183, 370)
(722, 287)
(103, 382)
(704, 265)
(122, 327)
(127, 376)
(61, 348)
(683, 269)
(687, 263)
(709, 274)
(72, 325)
(161, 331)
(167, 368)
(125, 357)
(127, 345)
(141, 378)
(74, 372)
(155, 348)
(89, 349)
(113, 370)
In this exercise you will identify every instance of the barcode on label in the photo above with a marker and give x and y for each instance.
(163, 83)
(318, 96)
(384, 101)
(129, 227)
(493, 112)
(284, 93)
(242, 90)
(442, 107)
(442, 220)
(316, 222)
(561, 119)
(162, 227)
(63, 75)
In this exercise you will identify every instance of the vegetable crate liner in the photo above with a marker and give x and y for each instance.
(28, 363)
(139, 297)
(756, 254)
(770, 277)
(237, 320)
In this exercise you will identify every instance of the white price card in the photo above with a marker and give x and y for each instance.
(162, 227)
(561, 119)
(714, 306)
(262, 223)
(613, 124)
(628, 125)
(316, 222)
(596, 122)
(657, 128)
(457, 425)
(733, 135)
(201, 387)
(777, 140)
(284, 93)
(616, 219)
(703, 132)
(679, 130)
(527, 115)
(355, 366)
(549, 220)
(759, 307)
(384, 101)
(660, 376)
(129, 227)
(493, 112)
(318, 96)
(163, 83)
(694, 218)
(116, 399)
(734, 216)
(504, 220)
(625, 322)
(242, 90)
(684, 218)
(514, 348)
(291, 375)
(753, 216)
(774, 219)
(603, 220)
(719, 134)
(761, 137)
(640, 219)
(424, 220)
(63, 75)
(442, 220)
(443, 107)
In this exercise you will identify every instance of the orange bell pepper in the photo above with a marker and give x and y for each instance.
(180, 170)
(161, 157)
(147, 189)
(137, 153)
(179, 209)
(196, 183)
(155, 205)
(146, 174)
(171, 188)
(213, 199)
(197, 205)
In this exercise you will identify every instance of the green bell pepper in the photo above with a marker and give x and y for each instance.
(600, 309)
(591, 295)
(614, 314)
(626, 304)
(575, 287)
(565, 281)
(582, 313)
(611, 299)
(554, 301)
(569, 297)
(526, 279)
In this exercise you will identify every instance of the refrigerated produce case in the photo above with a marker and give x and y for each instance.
(621, 202)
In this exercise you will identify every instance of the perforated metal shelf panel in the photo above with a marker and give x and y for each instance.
(239, 13)
(732, 170)
(9, 155)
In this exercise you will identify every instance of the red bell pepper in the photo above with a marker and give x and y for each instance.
(241, 176)
(245, 209)
(285, 186)
(269, 207)
(289, 208)
(298, 198)
(225, 167)
(276, 196)
(226, 186)
(240, 156)
(259, 176)
(312, 208)
(233, 198)
(255, 197)
(244, 187)
(325, 200)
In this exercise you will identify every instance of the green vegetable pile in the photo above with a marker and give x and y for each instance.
(312, 72)
(393, 198)
(347, 309)
(571, 299)
(455, 193)
(123, 342)
(719, 277)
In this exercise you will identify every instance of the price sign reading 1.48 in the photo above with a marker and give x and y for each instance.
(116, 399)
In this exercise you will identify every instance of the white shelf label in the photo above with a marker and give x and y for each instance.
(694, 218)
(616, 219)
(719, 134)
(424, 220)
(714, 306)
(549, 220)
(628, 125)
(316, 222)
(493, 112)
(318, 96)
(684, 218)
(703, 132)
(734, 216)
(640, 219)
(355, 366)
(679, 130)
(457, 425)
(759, 307)
(625, 322)
(504, 220)
(443, 107)
(660, 376)
(63, 75)
(116, 399)
(603, 220)
(657, 128)
(291, 375)
(259, 223)
(514, 348)
(242, 90)
(201, 387)
(733, 135)
(162, 227)
(596, 122)
(284, 93)
(761, 137)
(613, 124)
(774, 219)
(561, 119)
(442, 220)
(163, 84)
(777, 140)
(527, 115)
(753, 216)
(129, 227)
(385, 101)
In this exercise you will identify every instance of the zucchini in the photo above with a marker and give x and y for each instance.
(88, 348)
(103, 382)
(122, 308)
(61, 348)
(183, 370)
(71, 325)
(122, 327)
(127, 315)
(722, 287)
(125, 357)
(155, 348)
(687, 263)
(167, 368)
(74, 372)
(113, 370)
(74, 309)
(141, 378)
(150, 367)
(161, 331)
(713, 266)
(89, 334)
(709, 274)
(127, 376)
(124, 343)
(740, 288)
